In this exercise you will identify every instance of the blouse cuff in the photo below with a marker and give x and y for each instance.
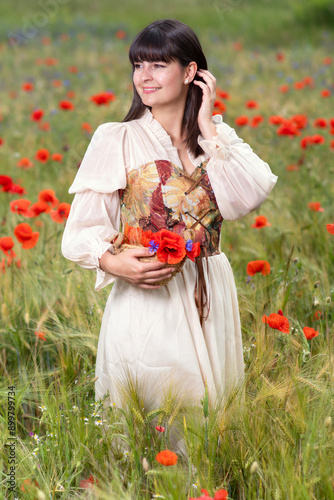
(102, 277)
(218, 146)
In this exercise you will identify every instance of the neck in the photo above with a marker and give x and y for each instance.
(171, 121)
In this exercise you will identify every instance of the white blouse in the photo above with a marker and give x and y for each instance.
(240, 180)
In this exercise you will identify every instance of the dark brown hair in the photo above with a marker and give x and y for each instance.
(170, 40)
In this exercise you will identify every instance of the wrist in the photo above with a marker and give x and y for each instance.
(208, 130)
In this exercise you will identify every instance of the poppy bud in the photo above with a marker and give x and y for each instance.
(328, 422)
(254, 467)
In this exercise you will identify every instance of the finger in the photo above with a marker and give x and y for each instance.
(206, 74)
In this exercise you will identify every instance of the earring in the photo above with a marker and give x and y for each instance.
(185, 81)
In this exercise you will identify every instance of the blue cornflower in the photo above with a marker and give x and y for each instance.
(189, 245)
(153, 246)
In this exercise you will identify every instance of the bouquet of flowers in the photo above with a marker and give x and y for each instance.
(166, 246)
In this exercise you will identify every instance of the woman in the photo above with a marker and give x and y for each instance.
(170, 165)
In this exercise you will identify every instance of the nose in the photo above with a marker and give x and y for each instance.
(146, 73)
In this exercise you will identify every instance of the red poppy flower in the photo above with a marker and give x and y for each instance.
(327, 61)
(146, 237)
(51, 61)
(88, 484)
(87, 127)
(330, 228)
(42, 155)
(291, 168)
(27, 86)
(276, 120)
(5, 182)
(299, 120)
(317, 314)
(193, 249)
(70, 94)
(25, 163)
(6, 245)
(325, 93)
(37, 115)
(38, 208)
(237, 46)
(332, 144)
(241, 120)
(260, 221)
(320, 123)
(172, 247)
(48, 196)
(159, 428)
(284, 88)
(15, 189)
(318, 139)
(29, 484)
(251, 104)
(280, 56)
(299, 85)
(306, 141)
(133, 234)
(1, 141)
(222, 94)
(40, 335)
(258, 266)
(277, 322)
(256, 120)
(103, 98)
(57, 157)
(221, 495)
(308, 80)
(61, 213)
(26, 236)
(57, 83)
(310, 333)
(315, 206)
(120, 34)
(73, 69)
(67, 105)
(166, 457)
(219, 105)
(20, 206)
(288, 128)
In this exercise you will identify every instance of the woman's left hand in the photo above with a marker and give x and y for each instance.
(205, 123)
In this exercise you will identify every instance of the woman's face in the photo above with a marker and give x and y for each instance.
(160, 84)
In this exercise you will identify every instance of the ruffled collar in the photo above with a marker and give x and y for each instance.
(164, 138)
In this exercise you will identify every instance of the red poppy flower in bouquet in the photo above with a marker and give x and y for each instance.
(172, 247)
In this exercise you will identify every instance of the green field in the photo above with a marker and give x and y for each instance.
(273, 437)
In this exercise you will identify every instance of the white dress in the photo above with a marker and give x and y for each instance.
(154, 337)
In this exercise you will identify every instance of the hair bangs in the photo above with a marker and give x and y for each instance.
(152, 46)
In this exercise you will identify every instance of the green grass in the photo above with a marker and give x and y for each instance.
(272, 438)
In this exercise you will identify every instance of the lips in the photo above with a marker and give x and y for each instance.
(150, 90)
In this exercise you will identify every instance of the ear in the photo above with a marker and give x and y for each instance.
(190, 72)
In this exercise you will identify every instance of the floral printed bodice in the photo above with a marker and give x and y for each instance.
(161, 195)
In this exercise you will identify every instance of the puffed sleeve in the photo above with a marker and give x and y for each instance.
(240, 180)
(95, 212)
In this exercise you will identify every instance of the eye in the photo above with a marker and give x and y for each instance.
(158, 65)
(137, 65)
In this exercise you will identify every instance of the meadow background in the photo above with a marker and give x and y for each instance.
(276, 442)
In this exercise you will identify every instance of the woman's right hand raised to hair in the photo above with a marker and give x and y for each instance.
(127, 266)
